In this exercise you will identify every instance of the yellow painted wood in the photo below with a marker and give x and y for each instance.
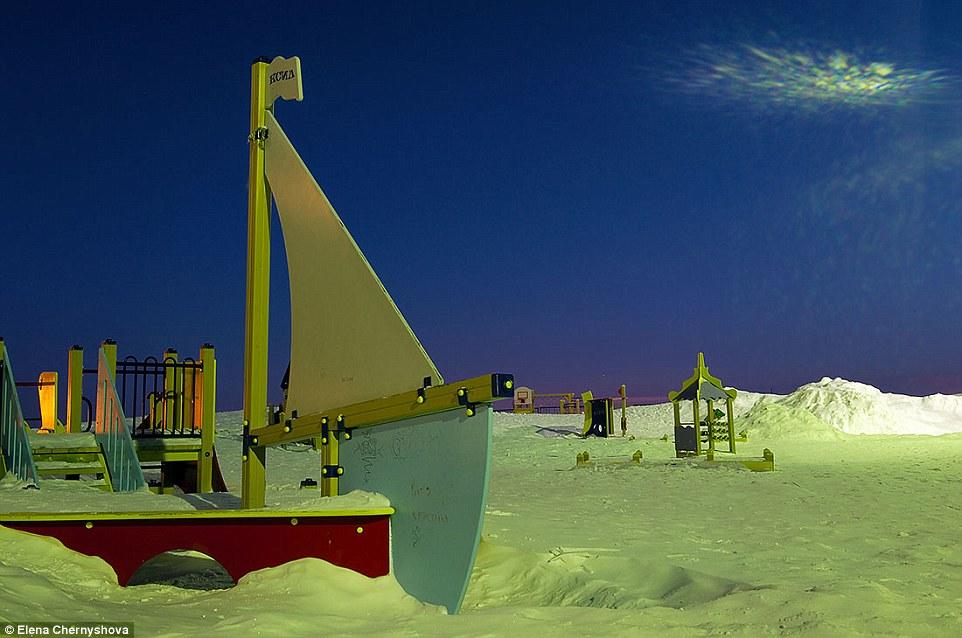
(161, 456)
(765, 463)
(696, 417)
(55, 469)
(730, 414)
(709, 425)
(170, 443)
(208, 394)
(187, 393)
(109, 347)
(703, 386)
(586, 398)
(47, 393)
(71, 455)
(12, 517)
(258, 286)
(758, 465)
(171, 417)
(330, 455)
(75, 365)
(72, 461)
(386, 410)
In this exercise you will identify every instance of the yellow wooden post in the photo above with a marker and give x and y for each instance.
(187, 391)
(258, 285)
(48, 392)
(75, 374)
(207, 388)
(729, 413)
(694, 414)
(330, 460)
(710, 423)
(171, 399)
(110, 355)
(586, 398)
(623, 391)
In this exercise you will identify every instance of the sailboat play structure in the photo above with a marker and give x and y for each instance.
(360, 385)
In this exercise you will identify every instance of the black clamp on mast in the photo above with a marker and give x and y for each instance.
(258, 135)
(338, 431)
(340, 428)
(249, 441)
(422, 394)
(470, 409)
(331, 471)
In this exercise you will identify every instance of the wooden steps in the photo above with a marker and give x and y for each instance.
(167, 449)
(78, 454)
(69, 455)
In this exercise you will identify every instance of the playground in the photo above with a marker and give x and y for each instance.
(605, 551)
(145, 504)
(379, 497)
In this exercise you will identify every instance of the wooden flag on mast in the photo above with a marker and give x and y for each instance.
(284, 79)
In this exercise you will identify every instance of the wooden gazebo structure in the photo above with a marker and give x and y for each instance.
(701, 434)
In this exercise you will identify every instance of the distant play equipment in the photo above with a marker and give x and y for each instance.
(599, 414)
(599, 419)
(524, 402)
(705, 431)
(702, 434)
(360, 383)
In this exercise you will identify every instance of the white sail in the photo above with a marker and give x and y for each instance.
(349, 341)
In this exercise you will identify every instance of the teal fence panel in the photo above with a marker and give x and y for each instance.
(113, 436)
(13, 433)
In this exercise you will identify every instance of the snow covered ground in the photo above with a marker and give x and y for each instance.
(855, 534)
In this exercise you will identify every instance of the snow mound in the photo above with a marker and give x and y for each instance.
(849, 406)
(772, 419)
(328, 590)
(746, 400)
(815, 410)
(510, 577)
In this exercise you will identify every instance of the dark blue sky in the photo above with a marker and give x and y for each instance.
(583, 194)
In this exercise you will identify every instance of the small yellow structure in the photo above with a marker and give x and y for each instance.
(524, 401)
(47, 387)
(700, 435)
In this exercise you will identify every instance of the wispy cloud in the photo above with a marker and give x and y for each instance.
(804, 77)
